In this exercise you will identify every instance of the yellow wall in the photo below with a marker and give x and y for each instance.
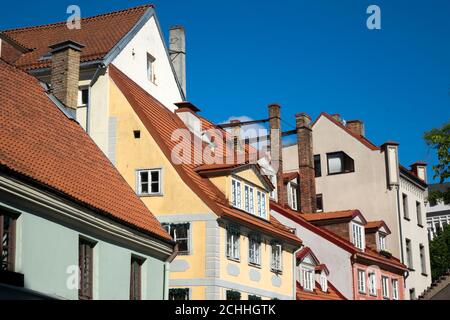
(252, 177)
(146, 155)
(265, 282)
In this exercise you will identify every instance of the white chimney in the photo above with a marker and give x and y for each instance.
(177, 52)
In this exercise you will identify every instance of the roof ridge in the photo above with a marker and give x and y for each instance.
(57, 24)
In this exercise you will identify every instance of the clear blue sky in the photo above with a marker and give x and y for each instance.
(310, 56)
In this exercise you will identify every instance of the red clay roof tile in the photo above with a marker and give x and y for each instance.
(99, 34)
(40, 143)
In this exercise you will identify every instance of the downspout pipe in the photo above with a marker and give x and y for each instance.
(167, 272)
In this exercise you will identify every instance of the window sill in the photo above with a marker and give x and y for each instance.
(276, 271)
(424, 274)
(184, 253)
(419, 225)
(254, 265)
(337, 173)
(144, 195)
(234, 259)
(373, 295)
(360, 292)
(411, 269)
(407, 219)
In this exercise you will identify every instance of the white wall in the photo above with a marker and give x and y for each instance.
(336, 258)
(148, 40)
(417, 234)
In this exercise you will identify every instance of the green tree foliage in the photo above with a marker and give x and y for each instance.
(439, 139)
(440, 253)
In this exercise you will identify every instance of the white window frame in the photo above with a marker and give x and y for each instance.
(358, 235)
(308, 279)
(276, 257)
(150, 182)
(233, 243)
(394, 283)
(151, 68)
(169, 226)
(361, 281)
(261, 204)
(254, 250)
(385, 287)
(236, 193)
(249, 200)
(324, 282)
(80, 96)
(372, 283)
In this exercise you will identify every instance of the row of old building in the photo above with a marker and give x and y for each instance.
(113, 186)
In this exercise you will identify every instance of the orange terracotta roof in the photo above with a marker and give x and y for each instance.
(317, 294)
(161, 123)
(369, 254)
(375, 225)
(41, 145)
(99, 34)
(360, 138)
(322, 216)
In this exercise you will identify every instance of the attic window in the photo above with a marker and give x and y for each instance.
(151, 68)
(137, 134)
(308, 279)
(324, 282)
(358, 236)
(340, 162)
(382, 241)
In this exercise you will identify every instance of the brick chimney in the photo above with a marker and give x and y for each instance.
(307, 186)
(356, 126)
(65, 72)
(177, 52)
(276, 148)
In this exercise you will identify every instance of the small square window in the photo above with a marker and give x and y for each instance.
(149, 182)
(137, 134)
(319, 203)
(340, 162)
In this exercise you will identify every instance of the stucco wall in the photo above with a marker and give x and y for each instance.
(148, 40)
(328, 253)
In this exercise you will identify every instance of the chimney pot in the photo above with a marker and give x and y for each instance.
(65, 71)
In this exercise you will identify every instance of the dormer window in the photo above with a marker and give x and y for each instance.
(261, 198)
(358, 236)
(382, 242)
(248, 199)
(324, 282)
(340, 162)
(308, 279)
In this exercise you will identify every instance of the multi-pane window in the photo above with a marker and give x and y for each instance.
(385, 287)
(7, 244)
(254, 297)
(317, 168)
(361, 281)
(324, 282)
(236, 193)
(382, 242)
(293, 196)
(179, 294)
(308, 279)
(405, 206)
(248, 199)
(254, 249)
(372, 284)
(151, 68)
(149, 182)
(340, 162)
(136, 278)
(419, 213)
(358, 236)
(395, 289)
(261, 202)
(422, 259)
(276, 255)
(179, 233)
(233, 238)
(409, 254)
(86, 265)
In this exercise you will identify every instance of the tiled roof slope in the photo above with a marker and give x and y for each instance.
(161, 123)
(312, 217)
(99, 34)
(39, 143)
(317, 294)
